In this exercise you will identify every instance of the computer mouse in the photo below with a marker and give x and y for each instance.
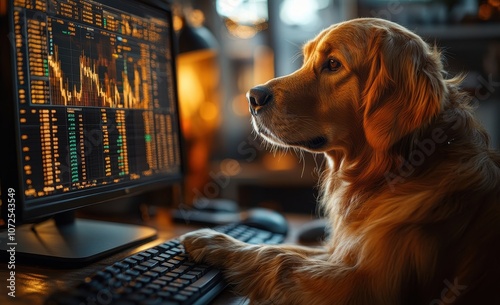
(314, 231)
(265, 219)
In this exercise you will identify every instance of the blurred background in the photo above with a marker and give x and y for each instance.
(247, 42)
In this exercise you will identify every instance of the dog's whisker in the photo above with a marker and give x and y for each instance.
(296, 56)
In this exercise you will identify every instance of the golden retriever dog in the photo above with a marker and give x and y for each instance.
(411, 186)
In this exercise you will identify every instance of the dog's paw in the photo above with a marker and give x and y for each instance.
(207, 245)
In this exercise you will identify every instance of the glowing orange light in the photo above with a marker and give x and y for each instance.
(495, 3)
(485, 11)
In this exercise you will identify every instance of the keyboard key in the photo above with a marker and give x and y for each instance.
(131, 261)
(141, 268)
(112, 270)
(123, 277)
(133, 272)
(159, 258)
(194, 290)
(189, 277)
(145, 254)
(172, 252)
(153, 286)
(182, 281)
(152, 251)
(164, 294)
(172, 275)
(143, 279)
(138, 258)
(205, 281)
(150, 263)
(160, 282)
(165, 255)
(166, 278)
(196, 274)
(173, 243)
(160, 270)
(171, 289)
(151, 274)
(180, 269)
(175, 284)
(135, 284)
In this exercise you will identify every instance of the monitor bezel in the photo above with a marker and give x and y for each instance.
(11, 164)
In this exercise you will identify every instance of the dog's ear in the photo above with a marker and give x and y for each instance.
(404, 86)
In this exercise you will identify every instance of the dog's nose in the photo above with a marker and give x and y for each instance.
(258, 97)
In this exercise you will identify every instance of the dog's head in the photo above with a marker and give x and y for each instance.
(366, 81)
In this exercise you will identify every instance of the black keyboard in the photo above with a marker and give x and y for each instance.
(162, 274)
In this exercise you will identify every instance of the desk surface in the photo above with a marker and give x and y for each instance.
(35, 283)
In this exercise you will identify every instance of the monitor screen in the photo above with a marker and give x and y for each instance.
(93, 111)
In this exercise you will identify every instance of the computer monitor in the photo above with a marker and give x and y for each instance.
(89, 114)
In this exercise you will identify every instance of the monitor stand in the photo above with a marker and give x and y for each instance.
(67, 241)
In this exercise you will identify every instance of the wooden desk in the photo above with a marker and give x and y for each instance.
(35, 283)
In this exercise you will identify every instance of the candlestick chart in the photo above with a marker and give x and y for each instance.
(93, 67)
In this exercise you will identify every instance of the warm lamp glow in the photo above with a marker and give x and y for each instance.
(191, 93)
(198, 82)
(178, 23)
(209, 112)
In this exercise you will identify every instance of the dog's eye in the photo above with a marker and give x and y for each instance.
(334, 65)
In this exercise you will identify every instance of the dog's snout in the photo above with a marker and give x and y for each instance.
(258, 97)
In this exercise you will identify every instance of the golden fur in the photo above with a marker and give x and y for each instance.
(411, 186)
